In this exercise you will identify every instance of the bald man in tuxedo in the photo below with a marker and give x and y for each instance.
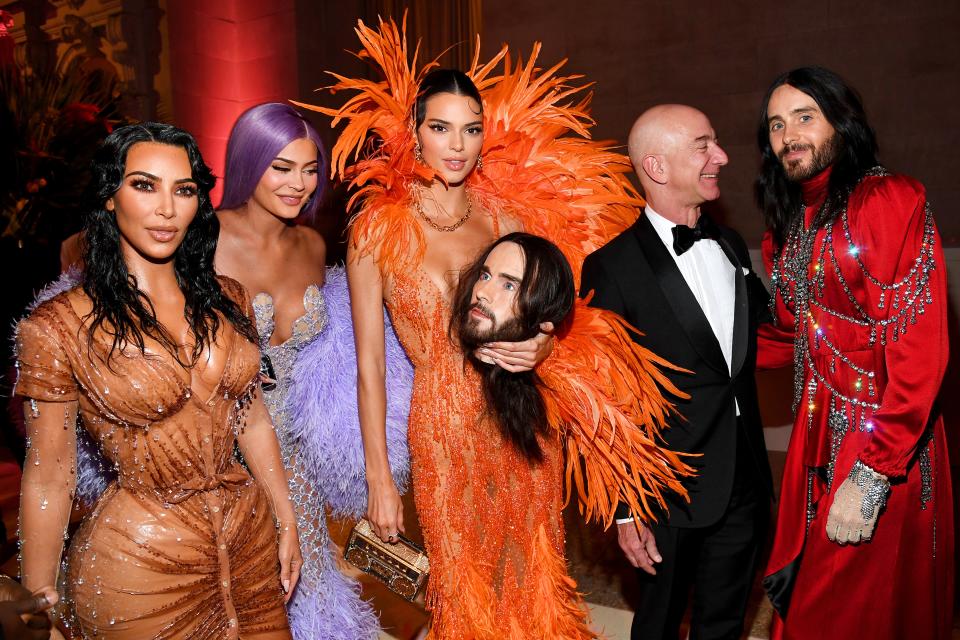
(686, 284)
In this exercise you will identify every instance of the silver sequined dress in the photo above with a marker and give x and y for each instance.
(326, 603)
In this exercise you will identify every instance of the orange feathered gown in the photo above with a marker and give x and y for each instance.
(491, 519)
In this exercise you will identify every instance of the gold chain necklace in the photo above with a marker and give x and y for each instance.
(417, 202)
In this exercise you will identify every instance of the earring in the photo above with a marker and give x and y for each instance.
(479, 163)
(417, 152)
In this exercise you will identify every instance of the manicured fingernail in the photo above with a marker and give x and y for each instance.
(286, 586)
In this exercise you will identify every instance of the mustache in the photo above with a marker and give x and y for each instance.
(796, 146)
(485, 310)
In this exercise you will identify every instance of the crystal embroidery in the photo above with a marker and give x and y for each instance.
(798, 278)
(311, 524)
(151, 437)
(925, 462)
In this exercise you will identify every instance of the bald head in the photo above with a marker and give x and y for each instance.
(675, 153)
(660, 129)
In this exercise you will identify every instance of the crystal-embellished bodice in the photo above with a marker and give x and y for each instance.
(471, 487)
(140, 409)
(859, 288)
(312, 609)
(283, 356)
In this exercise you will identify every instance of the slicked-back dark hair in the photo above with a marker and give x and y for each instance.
(442, 81)
(120, 308)
(546, 294)
(780, 199)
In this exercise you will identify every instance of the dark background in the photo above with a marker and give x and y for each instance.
(904, 59)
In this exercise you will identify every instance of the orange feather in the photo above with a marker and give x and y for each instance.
(605, 393)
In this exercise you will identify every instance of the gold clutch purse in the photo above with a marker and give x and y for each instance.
(403, 566)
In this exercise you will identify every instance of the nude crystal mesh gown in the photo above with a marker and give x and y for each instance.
(183, 544)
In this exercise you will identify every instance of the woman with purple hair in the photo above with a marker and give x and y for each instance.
(275, 161)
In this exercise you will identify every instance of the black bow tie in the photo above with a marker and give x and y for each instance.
(684, 236)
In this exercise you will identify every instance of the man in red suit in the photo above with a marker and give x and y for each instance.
(864, 541)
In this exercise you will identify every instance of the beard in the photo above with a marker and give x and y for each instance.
(822, 157)
(472, 335)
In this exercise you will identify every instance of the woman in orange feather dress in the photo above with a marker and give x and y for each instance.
(448, 162)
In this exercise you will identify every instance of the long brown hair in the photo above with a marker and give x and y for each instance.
(545, 294)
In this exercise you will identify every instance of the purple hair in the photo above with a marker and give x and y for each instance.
(257, 137)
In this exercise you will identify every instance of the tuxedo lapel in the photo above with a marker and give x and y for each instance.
(741, 315)
(685, 308)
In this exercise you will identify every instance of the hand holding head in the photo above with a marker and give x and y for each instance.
(519, 283)
(518, 286)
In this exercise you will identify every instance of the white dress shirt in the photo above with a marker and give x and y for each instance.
(711, 278)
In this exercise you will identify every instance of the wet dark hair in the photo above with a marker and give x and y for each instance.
(120, 308)
(780, 199)
(443, 81)
(546, 294)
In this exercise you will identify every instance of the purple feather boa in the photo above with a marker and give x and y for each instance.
(323, 406)
(94, 473)
(69, 279)
(334, 611)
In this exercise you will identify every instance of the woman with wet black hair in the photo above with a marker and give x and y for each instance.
(157, 357)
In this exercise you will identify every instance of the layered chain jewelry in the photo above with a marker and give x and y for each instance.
(418, 205)
(799, 279)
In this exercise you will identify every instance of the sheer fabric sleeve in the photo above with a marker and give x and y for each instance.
(48, 482)
(43, 368)
(240, 297)
(261, 450)
(258, 439)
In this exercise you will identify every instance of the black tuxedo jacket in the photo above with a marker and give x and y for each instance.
(635, 276)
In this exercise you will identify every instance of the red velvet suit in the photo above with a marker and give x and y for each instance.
(900, 584)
